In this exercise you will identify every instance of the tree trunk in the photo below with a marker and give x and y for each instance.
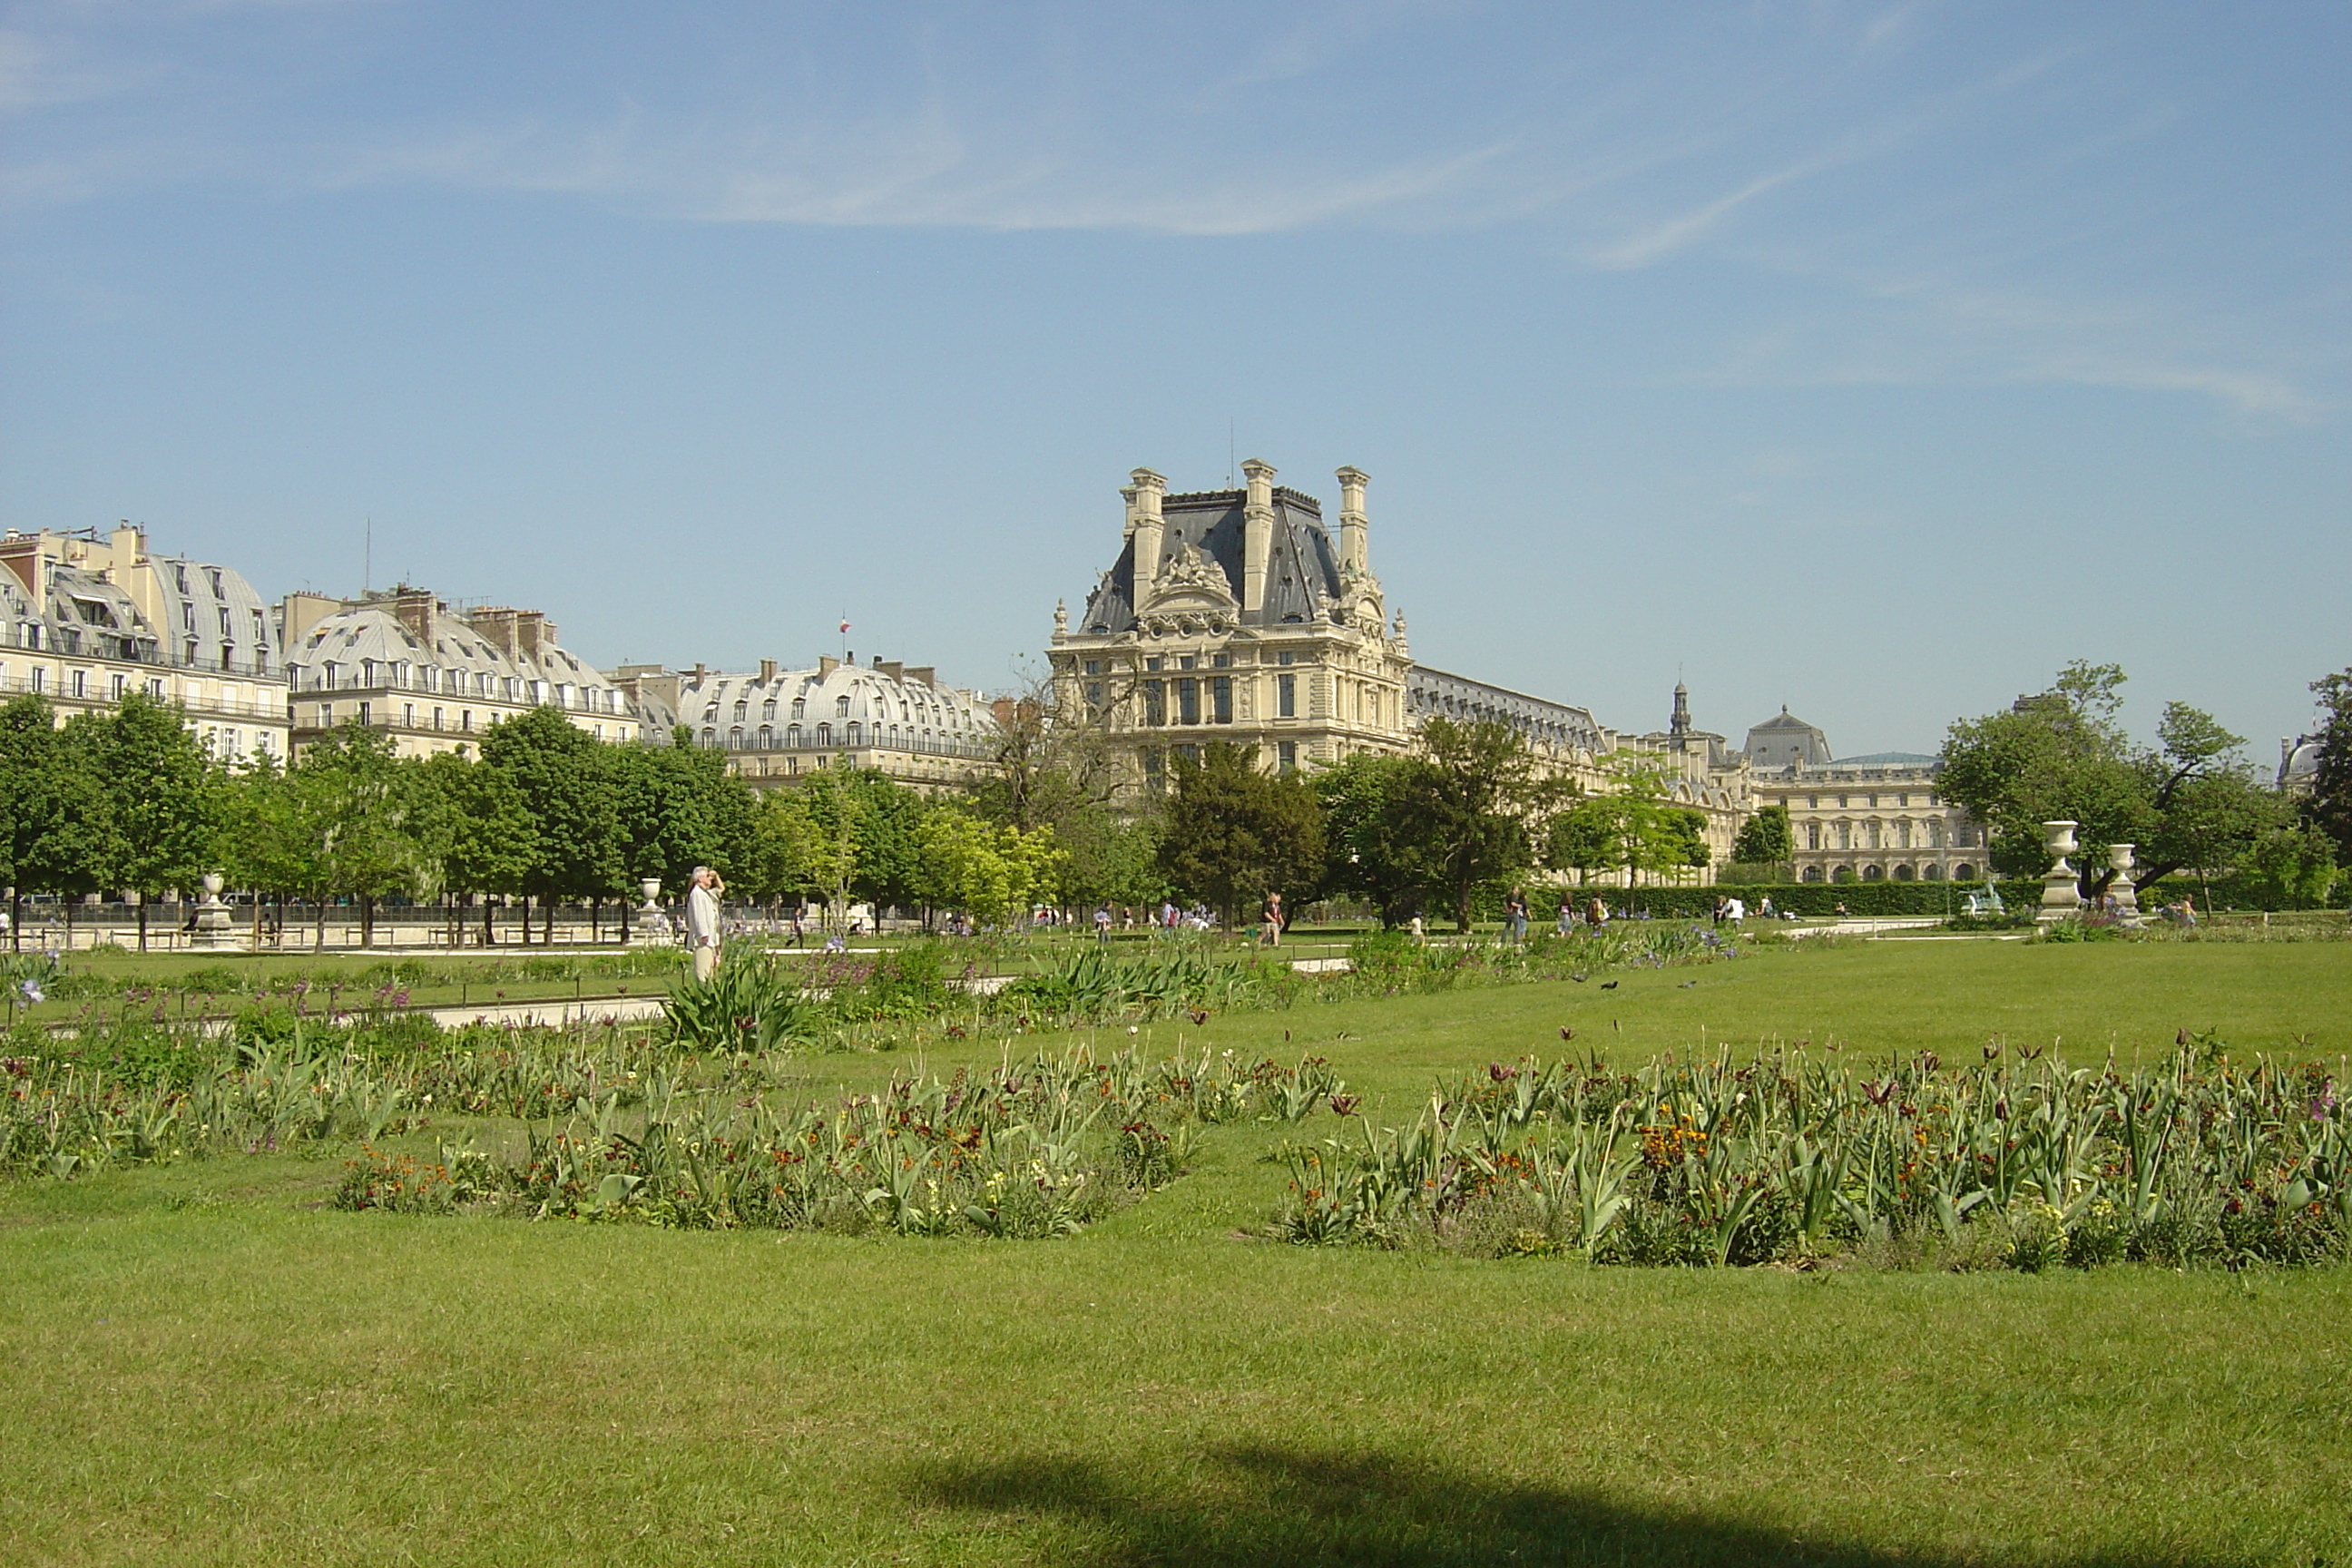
(321, 945)
(489, 932)
(142, 923)
(15, 921)
(595, 920)
(547, 925)
(367, 922)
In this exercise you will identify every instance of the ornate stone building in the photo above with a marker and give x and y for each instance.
(777, 725)
(1868, 818)
(432, 678)
(86, 617)
(1234, 616)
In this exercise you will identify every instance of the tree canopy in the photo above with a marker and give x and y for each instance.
(1235, 833)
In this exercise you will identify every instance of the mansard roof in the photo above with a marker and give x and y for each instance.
(1302, 581)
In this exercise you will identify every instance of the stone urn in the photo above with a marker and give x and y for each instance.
(652, 924)
(2061, 899)
(213, 922)
(2126, 898)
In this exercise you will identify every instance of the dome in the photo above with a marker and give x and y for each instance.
(2299, 763)
(416, 644)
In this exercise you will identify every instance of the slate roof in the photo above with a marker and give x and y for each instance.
(1302, 566)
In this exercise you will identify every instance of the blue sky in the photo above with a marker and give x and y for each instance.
(1873, 358)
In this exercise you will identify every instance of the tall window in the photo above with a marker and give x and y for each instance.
(1220, 699)
(824, 734)
(1812, 836)
(1287, 750)
(1187, 701)
(1155, 702)
(1285, 695)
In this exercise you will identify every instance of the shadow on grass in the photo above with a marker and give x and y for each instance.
(1269, 1505)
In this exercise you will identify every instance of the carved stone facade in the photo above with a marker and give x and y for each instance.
(1234, 616)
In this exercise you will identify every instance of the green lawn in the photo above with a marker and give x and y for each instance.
(210, 1367)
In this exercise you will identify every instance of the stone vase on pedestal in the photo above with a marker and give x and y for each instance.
(652, 924)
(213, 923)
(2126, 898)
(2061, 899)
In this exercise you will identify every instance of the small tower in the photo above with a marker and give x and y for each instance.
(1678, 728)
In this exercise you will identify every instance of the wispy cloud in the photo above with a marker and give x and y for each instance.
(1663, 239)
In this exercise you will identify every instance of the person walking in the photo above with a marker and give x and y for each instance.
(1271, 917)
(1102, 922)
(1515, 916)
(1567, 921)
(702, 921)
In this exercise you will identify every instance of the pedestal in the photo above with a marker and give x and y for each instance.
(2126, 898)
(215, 926)
(2061, 899)
(652, 924)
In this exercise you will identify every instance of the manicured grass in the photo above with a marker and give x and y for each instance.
(209, 1368)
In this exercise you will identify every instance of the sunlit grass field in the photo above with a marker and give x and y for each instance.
(210, 1366)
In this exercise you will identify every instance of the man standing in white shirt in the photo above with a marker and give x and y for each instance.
(702, 921)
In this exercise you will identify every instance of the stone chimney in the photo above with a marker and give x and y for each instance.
(926, 675)
(1150, 529)
(825, 665)
(1353, 555)
(301, 612)
(495, 627)
(413, 608)
(891, 667)
(532, 631)
(767, 672)
(1257, 533)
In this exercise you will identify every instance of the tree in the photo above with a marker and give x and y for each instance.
(1234, 833)
(2329, 805)
(53, 824)
(2189, 802)
(1635, 827)
(987, 871)
(1370, 851)
(1473, 803)
(1055, 759)
(781, 856)
(2292, 867)
(378, 825)
(163, 794)
(1107, 859)
(565, 779)
(1765, 839)
(488, 843)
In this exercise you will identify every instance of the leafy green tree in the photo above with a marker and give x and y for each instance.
(1370, 849)
(163, 798)
(489, 839)
(2329, 807)
(381, 827)
(1473, 805)
(1234, 833)
(680, 807)
(1108, 859)
(989, 872)
(1765, 838)
(784, 855)
(2292, 867)
(53, 819)
(1634, 827)
(565, 779)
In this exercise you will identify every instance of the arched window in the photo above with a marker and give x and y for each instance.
(709, 737)
(1843, 874)
(792, 734)
(799, 707)
(856, 736)
(735, 739)
(711, 712)
(768, 708)
(1812, 873)
(1873, 873)
(1964, 872)
(824, 734)
(1931, 873)
(766, 739)
(841, 706)
(742, 708)
(1903, 873)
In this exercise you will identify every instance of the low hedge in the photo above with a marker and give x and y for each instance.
(1801, 897)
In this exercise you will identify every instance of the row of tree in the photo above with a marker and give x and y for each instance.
(128, 800)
